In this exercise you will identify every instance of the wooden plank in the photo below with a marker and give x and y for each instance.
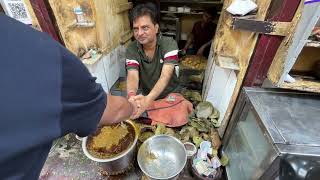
(221, 90)
(77, 40)
(303, 85)
(35, 22)
(281, 10)
(315, 44)
(304, 21)
(103, 31)
(218, 86)
(225, 103)
(280, 28)
(208, 74)
(238, 44)
(110, 25)
(306, 59)
(103, 37)
(41, 12)
(124, 7)
(82, 25)
(125, 37)
(228, 62)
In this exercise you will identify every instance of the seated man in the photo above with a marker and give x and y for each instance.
(150, 60)
(202, 34)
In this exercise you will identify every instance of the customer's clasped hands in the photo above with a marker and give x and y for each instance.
(142, 103)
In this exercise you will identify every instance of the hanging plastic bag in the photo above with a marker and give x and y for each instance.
(241, 7)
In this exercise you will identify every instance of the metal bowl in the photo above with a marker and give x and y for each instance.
(162, 157)
(117, 164)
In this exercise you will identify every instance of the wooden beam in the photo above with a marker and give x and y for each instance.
(46, 23)
(238, 44)
(281, 28)
(125, 37)
(267, 46)
(303, 85)
(315, 44)
(124, 7)
(35, 22)
(291, 47)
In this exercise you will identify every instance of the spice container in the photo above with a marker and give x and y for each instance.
(79, 14)
(191, 149)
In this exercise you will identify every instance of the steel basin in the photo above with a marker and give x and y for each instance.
(119, 163)
(162, 157)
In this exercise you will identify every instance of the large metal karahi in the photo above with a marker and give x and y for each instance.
(268, 124)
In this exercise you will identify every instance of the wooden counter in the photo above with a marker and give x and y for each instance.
(67, 161)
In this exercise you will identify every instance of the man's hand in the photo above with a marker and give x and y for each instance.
(118, 109)
(200, 51)
(136, 106)
(143, 102)
(316, 32)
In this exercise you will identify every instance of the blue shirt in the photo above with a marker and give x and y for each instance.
(45, 93)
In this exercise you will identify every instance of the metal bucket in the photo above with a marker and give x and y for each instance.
(120, 163)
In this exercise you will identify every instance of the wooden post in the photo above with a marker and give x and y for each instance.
(267, 46)
(42, 14)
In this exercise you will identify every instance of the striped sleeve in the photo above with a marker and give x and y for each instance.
(132, 64)
(171, 56)
(170, 50)
(132, 57)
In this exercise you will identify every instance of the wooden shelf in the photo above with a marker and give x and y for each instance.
(124, 7)
(315, 44)
(228, 63)
(88, 24)
(191, 2)
(303, 85)
(190, 13)
(169, 33)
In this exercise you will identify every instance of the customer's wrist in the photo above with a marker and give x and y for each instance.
(130, 94)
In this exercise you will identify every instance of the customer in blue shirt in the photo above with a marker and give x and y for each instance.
(45, 93)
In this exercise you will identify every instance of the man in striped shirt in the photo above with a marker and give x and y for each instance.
(150, 60)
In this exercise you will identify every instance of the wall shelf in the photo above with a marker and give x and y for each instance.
(169, 33)
(188, 13)
(315, 44)
(228, 63)
(191, 2)
(303, 85)
(87, 24)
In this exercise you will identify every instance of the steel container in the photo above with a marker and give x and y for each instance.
(162, 157)
(120, 163)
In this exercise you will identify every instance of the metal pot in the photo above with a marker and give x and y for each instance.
(119, 163)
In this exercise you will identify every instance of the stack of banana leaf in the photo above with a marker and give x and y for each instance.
(201, 126)
(193, 96)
